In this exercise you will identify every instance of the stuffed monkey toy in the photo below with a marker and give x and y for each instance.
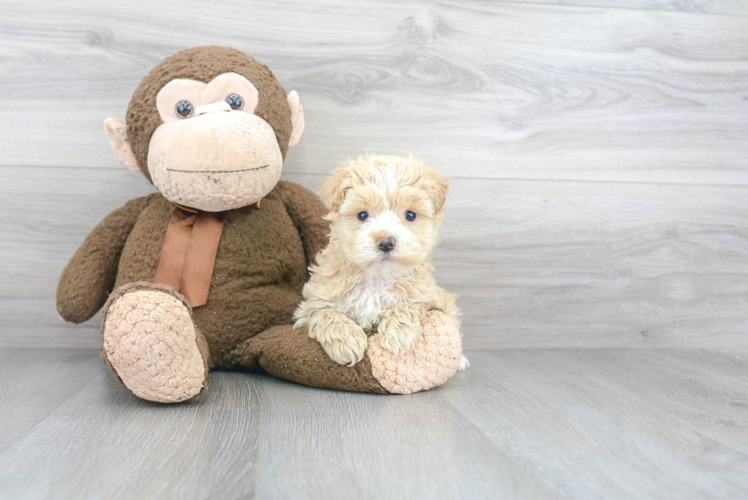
(206, 273)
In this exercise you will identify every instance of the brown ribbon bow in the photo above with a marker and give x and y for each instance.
(189, 252)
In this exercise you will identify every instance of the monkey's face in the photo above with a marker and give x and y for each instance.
(209, 127)
(212, 152)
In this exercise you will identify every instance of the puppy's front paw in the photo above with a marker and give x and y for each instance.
(349, 348)
(399, 335)
(344, 341)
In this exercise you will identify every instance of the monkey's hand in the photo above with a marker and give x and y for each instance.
(400, 328)
(89, 277)
(307, 213)
(341, 338)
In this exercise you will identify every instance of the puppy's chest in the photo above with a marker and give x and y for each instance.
(368, 300)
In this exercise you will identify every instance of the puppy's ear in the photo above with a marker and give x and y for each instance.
(334, 188)
(435, 184)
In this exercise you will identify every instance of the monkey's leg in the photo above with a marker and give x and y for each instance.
(292, 355)
(152, 345)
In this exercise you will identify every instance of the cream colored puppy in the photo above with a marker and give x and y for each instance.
(375, 272)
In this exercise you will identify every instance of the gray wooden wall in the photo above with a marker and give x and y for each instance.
(598, 151)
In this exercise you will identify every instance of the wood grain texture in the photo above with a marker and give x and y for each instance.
(598, 153)
(535, 263)
(724, 7)
(98, 441)
(616, 424)
(485, 89)
(519, 424)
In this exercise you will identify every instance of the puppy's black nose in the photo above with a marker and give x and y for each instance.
(386, 244)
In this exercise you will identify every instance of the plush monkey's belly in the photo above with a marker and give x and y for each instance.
(258, 275)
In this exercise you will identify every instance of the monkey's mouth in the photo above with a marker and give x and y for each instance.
(215, 171)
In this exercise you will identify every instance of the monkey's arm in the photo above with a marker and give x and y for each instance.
(306, 211)
(89, 276)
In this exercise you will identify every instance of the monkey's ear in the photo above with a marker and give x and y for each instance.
(297, 118)
(334, 188)
(120, 144)
(435, 184)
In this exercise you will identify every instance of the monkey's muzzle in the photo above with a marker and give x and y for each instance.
(217, 160)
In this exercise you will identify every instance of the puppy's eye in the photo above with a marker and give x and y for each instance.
(235, 101)
(184, 109)
(362, 216)
(410, 216)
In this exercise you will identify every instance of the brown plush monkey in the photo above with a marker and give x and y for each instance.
(207, 272)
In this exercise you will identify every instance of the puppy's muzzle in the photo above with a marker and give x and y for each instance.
(386, 245)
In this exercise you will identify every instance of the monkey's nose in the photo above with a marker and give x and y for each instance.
(386, 244)
(212, 108)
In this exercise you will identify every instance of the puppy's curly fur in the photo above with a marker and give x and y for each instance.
(375, 272)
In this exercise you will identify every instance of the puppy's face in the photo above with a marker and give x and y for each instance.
(385, 218)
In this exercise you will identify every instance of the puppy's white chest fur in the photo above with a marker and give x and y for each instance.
(368, 300)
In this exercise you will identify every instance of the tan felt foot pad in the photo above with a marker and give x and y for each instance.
(435, 358)
(149, 339)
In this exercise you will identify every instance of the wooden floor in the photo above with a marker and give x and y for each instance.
(535, 424)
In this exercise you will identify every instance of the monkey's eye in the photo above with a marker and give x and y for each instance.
(235, 101)
(184, 109)
(410, 216)
(362, 216)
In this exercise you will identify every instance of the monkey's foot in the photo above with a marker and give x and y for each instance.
(435, 358)
(151, 345)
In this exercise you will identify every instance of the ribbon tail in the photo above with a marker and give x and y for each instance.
(200, 258)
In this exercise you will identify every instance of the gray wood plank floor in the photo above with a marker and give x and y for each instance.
(619, 424)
